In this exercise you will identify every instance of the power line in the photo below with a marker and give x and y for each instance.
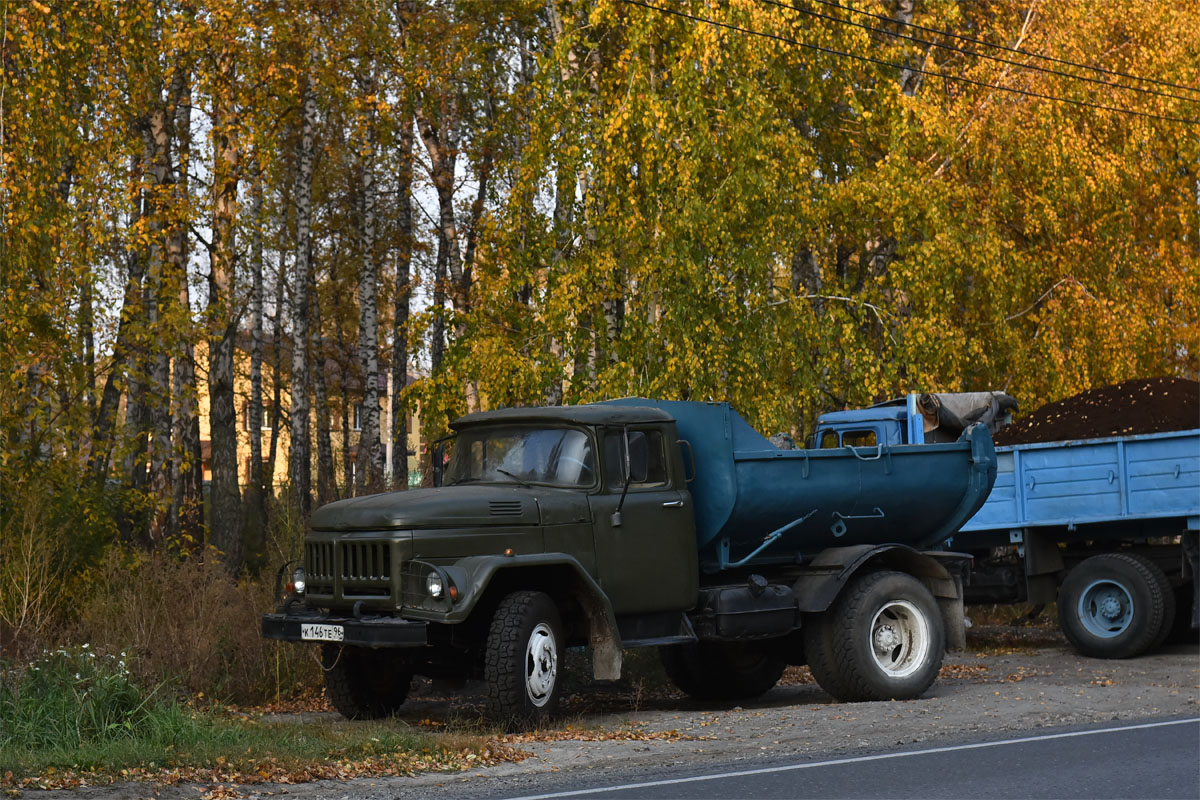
(999, 59)
(882, 63)
(960, 37)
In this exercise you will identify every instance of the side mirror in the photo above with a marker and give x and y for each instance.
(637, 462)
(438, 454)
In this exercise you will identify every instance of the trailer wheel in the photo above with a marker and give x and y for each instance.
(523, 660)
(1113, 606)
(1169, 604)
(720, 670)
(365, 684)
(882, 639)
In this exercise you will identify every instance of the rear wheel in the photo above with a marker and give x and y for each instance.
(365, 684)
(1113, 606)
(721, 670)
(882, 639)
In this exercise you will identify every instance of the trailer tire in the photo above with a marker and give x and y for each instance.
(365, 684)
(716, 671)
(882, 639)
(1181, 631)
(1169, 605)
(1113, 606)
(523, 660)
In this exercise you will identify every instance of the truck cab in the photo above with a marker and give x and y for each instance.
(913, 419)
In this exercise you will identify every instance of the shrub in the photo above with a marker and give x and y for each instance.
(52, 526)
(192, 625)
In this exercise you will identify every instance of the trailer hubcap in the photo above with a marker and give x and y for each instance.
(899, 638)
(541, 664)
(1105, 608)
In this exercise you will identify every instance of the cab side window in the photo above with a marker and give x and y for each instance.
(647, 459)
(858, 439)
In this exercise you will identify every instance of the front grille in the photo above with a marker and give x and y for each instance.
(363, 569)
(367, 561)
(318, 562)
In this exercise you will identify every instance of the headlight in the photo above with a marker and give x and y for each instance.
(434, 585)
(298, 580)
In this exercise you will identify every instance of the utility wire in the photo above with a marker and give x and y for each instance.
(960, 37)
(882, 63)
(1000, 59)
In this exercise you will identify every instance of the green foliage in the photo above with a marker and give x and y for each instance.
(82, 710)
(52, 530)
(70, 699)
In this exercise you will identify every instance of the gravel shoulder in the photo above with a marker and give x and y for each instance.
(1009, 682)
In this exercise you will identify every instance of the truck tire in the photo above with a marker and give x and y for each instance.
(365, 684)
(720, 670)
(523, 660)
(1168, 593)
(1113, 605)
(882, 639)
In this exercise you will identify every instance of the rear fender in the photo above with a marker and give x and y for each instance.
(827, 574)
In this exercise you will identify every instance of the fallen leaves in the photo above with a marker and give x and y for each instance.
(212, 780)
(963, 671)
(633, 732)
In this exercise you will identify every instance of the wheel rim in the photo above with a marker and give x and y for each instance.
(899, 639)
(541, 665)
(1105, 609)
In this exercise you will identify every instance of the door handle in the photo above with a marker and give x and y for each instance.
(673, 504)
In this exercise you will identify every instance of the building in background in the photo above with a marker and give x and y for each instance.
(343, 390)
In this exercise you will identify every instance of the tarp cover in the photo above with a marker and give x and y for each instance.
(947, 415)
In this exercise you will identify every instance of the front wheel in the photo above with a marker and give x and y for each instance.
(365, 684)
(1113, 605)
(882, 639)
(523, 661)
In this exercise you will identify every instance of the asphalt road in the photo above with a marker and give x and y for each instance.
(1146, 760)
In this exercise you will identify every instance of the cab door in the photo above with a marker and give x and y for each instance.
(647, 562)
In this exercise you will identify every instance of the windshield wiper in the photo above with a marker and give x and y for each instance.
(519, 480)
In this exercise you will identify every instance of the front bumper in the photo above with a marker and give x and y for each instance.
(364, 631)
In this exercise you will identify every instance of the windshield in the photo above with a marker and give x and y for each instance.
(525, 454)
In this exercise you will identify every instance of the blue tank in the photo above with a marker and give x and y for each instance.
(758, 504)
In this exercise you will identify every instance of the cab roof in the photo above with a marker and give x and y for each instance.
(589, 414)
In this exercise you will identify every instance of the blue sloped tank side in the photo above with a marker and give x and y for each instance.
(746, 488)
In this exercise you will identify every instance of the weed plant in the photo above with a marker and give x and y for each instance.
(76, 709)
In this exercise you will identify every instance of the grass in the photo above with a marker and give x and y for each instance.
(76, 715)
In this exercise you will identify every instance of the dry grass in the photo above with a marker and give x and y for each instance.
(192, 625)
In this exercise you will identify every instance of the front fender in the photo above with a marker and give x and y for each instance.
(555, 573)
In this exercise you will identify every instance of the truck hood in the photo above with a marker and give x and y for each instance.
(452, 507)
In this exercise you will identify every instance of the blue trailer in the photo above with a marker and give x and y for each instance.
(1106, 527)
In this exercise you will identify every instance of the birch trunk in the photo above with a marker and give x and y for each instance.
(166, 245)
(226, 501)
(301, 465)
(370, 452)
(442, 146)
(326, 484)
(187, 475)
(117, 381)
(276, 379)
(256, 510)
(403, 300)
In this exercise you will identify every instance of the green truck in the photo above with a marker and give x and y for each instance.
(641, 523)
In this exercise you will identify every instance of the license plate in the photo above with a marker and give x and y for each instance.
(321, 633)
